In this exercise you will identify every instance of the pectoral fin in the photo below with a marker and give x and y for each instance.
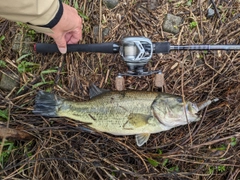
(137, 119)
(142, 138)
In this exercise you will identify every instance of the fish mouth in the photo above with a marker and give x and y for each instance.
(192, 112)
(191, 108)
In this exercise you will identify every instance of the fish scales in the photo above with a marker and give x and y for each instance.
(109, 112)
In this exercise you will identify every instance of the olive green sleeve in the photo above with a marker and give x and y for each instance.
(41, 15)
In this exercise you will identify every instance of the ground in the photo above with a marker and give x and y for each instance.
(60, 149)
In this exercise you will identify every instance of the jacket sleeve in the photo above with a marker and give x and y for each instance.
(41, 15)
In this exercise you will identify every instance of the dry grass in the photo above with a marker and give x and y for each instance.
(61, 150)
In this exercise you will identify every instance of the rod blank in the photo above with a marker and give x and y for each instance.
(205, 47)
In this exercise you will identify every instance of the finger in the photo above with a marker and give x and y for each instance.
(68, 37)
(73, 37)
(61, 44)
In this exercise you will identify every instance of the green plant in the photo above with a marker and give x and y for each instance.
(27, 149)
(48, 71)
(221, 148)
(26, 66)
(233, 141)
(193, 24)
(113, 174)
(223, 19)
(66, 2)
(4, 114)
(80, 11)
(159, 151)
(211, 170)
(8, 147)
(43, 82)
(22, 25)
(31, 33)
(3, 63)
(174, 169)
(2, 37)
(221, 168)
(48, 89)
(22, 57)
(84, 16)
(164, 163)
(153, 162)
(189, 3)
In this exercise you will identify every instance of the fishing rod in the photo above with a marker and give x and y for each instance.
(135, 51)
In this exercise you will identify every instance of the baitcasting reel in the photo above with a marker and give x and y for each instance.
(136, 52)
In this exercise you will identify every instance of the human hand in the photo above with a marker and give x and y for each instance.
(68, 30)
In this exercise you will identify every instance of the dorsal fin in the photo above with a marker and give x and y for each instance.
(95, 91)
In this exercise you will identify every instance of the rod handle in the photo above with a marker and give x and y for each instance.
(162, 47)
(101, 48)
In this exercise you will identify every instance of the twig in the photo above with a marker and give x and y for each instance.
(215, 141)
(15, 134)
(216, 10)
(100, 22)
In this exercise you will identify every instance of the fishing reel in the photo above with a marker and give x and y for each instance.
(136, 52)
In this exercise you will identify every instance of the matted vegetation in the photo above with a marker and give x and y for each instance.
(60, 149)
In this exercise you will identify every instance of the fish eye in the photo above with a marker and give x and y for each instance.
(179, 99)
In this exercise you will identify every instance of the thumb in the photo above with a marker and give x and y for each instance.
(61, 44)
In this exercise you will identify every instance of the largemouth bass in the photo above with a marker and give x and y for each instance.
(138, 113)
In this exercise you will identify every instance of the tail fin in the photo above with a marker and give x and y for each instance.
(46, 104)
